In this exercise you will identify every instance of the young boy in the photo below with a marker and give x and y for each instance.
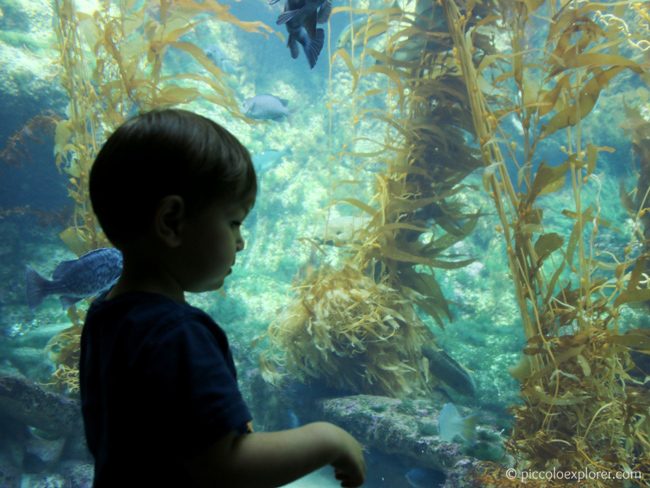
(160, 400)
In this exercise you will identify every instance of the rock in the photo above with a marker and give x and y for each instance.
(76, 447)
(31, 361)
(39, 335)
(45, 480)
(27, 80)
(42, 454)
(9, 473)
(461, 475)
(78, 474)
(13, 436)
(28, 403)
(402, 427)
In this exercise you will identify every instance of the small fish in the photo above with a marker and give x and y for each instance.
(265, 107)
(451, 424)
(74, 280)
(425, 478)
(300, 18)
(219, 58)
(449, 371)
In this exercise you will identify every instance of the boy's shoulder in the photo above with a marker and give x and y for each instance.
(138, 322)
(148, 310)
(142, 301)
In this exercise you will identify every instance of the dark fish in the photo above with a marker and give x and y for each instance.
(449, 371)
(300, 18)
(265, 107)
(90, 275)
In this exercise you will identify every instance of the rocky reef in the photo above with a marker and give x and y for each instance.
(42, 437)
(403, 432)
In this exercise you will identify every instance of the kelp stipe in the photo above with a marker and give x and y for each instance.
(637, 199)
(581, 407)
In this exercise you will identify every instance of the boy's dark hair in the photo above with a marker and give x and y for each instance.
(166, 152)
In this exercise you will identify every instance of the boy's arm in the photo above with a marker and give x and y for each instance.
(269, 459)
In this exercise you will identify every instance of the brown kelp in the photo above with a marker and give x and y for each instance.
(115, 62)
(356, 327)
(637, 201)
(581, 407)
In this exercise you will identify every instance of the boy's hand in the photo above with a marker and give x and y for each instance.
(350, 467)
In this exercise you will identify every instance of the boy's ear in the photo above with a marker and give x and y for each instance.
(169, 218)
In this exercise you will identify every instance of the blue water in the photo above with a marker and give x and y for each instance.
(305, 163)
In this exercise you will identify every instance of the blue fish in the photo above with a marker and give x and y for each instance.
(74, 280)
(266, 107)
(300, 18)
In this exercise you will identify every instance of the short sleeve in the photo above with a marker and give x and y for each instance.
(191, 384)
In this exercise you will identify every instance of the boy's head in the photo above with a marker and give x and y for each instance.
(162, 153)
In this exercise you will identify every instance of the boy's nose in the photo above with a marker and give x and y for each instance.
(240, 244)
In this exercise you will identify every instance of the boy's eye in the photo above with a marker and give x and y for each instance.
(236, 223)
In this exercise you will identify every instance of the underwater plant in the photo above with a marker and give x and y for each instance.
(581, 406)
(356, 327)
(345, 326)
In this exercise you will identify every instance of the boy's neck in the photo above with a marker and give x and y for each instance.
(121, 288)
(146, 275)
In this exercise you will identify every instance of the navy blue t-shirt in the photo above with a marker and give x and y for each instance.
(158, 385)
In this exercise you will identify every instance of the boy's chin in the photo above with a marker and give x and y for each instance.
(214, 286)
(218, 284)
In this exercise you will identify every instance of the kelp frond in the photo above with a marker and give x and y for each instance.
(113, 66)
(357, 327)
(351, 333)
(581, 407)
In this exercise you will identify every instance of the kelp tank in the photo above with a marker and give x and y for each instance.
(448, 255)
